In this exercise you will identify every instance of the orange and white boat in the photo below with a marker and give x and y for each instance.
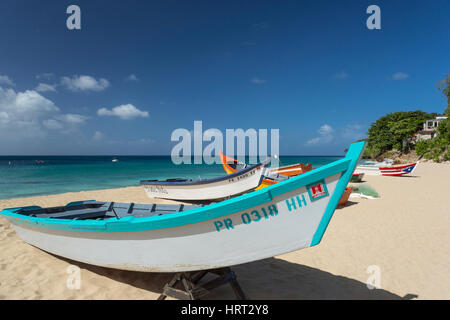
(271, 176)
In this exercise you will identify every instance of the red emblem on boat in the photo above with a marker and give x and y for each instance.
(317, 191)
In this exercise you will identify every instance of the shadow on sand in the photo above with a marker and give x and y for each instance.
(270, 278)
(407, 176)
(347, 204)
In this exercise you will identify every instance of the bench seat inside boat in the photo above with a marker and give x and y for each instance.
(105, 210)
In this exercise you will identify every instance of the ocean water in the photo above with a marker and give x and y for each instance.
(25, 176)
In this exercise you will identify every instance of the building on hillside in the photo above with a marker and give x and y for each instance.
(429, 129)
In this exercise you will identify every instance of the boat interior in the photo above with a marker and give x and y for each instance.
(103, 210)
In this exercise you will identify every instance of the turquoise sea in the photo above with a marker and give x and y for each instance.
(25, 176)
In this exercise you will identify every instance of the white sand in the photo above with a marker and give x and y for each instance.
(406, 234)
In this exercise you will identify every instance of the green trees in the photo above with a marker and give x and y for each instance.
(444, 126)
(444, 86)
(393, 131)
(435, 149)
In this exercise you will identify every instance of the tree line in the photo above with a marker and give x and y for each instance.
(395, 131)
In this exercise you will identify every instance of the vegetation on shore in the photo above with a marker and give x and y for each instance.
(395, 132)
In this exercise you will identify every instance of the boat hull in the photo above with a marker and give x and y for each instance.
(252, 235)
(357, 177)
(387, 171)
(213, 190)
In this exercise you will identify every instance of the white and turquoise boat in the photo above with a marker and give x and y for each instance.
(222, 187)
(287, 216)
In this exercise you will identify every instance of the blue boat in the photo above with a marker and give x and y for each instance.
(287, 216)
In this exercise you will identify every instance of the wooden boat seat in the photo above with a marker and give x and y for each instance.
(106, 210)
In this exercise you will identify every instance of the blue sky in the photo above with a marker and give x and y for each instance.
(137, 70)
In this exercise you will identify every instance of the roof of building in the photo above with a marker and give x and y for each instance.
(438, 118)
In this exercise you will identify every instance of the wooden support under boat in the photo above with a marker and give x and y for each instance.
(192, 290)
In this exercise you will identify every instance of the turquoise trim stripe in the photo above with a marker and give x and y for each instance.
(213, 211)
(354, 154)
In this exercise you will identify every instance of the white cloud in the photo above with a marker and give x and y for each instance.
(124, 112)
(257, 80)
(44, 87)
(52, 124)
(325, 129)
(46, 76)
(353, 132)
(4, 117)
(5, 80)
(25, 105)
(325, 135)
(341, 75)
(400, 76)
(98, 135)
(132, 77)
(71, 118)
(66, 122)
(21, 112)
(84, 83)
(28, 114)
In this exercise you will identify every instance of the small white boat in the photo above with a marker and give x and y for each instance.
(115, 160)
(208, 189)
(382, 170)
(287, 216)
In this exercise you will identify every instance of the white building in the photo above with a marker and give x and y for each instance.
(429, 128)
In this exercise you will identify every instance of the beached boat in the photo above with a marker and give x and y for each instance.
(271, 175)
(357, 177)
(290, 215)
(209, 189)
(232, 165)
(377, 170)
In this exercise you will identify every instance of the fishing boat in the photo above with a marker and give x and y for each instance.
(271, 176)
(357, 177)
(290, 215)
(377, 170)
(232, 165)
(208, 189)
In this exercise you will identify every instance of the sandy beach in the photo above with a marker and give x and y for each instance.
(405, 235)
